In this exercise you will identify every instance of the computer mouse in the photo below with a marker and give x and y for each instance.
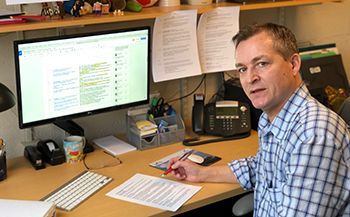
(196, 158)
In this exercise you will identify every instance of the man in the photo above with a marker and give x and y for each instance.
(302, 166)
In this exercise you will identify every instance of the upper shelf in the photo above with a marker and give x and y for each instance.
(146, 13)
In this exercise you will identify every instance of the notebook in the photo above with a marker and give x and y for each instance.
(113, 145)
(26, 208)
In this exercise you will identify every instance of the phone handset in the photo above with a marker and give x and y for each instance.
(198, 114)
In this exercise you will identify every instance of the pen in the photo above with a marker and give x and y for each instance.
(182, 158)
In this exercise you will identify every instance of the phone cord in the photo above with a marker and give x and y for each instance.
(191, 142)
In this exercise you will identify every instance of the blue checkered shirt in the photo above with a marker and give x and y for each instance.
(302, 165)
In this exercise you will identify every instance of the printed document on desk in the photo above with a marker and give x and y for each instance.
(179, 50)
(154, 191)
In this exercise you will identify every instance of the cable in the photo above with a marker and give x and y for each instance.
(219, 93)
(195, 141)
(189, 94)
(229, 75)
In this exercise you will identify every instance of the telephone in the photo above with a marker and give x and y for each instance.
(198, 114)
(223, 118)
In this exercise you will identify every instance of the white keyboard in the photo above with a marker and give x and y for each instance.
(75, 191)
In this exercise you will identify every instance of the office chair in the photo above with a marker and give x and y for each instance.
(244, 206)
(344, 110)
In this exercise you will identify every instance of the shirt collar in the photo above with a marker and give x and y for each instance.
(288, 111)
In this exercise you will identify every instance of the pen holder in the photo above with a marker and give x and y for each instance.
(3, 167)
(171, 132)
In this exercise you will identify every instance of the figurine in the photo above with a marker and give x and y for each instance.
(78, 5)
(46, 10)
(61, 11)
(97, 8)
(86, 9)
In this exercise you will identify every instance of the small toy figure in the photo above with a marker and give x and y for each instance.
(97, 8)
(78, 5)
(46, 10)
(86, 9)
(61, 11)
(105, 6)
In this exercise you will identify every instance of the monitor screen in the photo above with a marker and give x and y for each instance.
(65, 77)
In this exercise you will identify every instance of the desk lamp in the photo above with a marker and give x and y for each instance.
(7, 101)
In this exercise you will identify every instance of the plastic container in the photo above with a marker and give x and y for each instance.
(171, 129)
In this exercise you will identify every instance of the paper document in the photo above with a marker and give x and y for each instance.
(175, 53)
(179, 50)
(113, 145)
(155, 192)
(208, 159)
(215, 31)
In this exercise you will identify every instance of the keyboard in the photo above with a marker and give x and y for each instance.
(78, 189)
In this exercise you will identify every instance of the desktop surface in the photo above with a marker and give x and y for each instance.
(25, 183)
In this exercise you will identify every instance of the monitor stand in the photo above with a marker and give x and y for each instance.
(74, 129)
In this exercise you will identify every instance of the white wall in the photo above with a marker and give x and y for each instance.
(9, 130)
(318, 24)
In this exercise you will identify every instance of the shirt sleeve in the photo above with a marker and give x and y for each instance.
(244, 170)
(317, 182)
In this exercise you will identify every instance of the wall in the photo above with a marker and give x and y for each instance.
(8, 120)
(321, 24)
(308, 22)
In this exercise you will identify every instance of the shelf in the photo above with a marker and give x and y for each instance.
(146, 13)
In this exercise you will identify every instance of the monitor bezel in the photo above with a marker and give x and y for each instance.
(16, 44)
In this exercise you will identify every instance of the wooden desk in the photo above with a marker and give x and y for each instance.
(23, 182)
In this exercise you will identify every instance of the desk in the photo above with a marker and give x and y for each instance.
(23, 182)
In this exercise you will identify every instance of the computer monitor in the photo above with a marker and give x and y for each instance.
(65, 77)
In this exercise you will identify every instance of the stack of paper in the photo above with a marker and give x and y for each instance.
(26, 208)
(318, 51)
(113, 145)
(146, 127)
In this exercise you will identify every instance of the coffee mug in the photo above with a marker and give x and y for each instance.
(73, 148)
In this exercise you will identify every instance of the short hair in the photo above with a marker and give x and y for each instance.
(284, 40)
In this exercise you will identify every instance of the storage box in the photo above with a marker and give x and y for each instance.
(319, 72)
(171, 129)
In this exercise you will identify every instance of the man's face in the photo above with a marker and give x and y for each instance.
(267, 79)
